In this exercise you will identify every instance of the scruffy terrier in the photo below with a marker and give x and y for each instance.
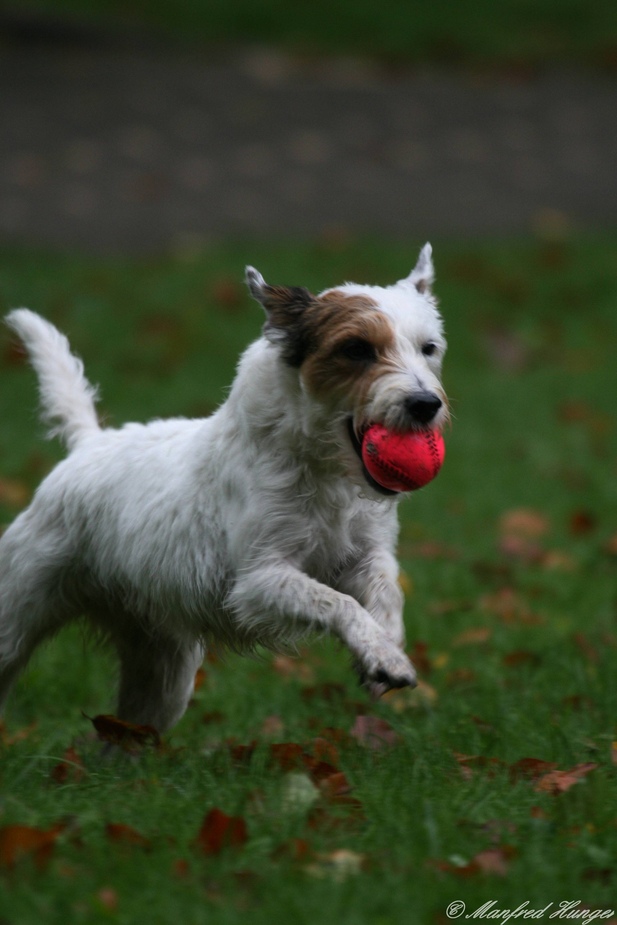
(248, 528)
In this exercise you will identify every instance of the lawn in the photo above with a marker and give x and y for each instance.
(495, 781)
(514, 33)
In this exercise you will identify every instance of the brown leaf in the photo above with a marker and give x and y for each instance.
(520, 657)
(556, 782)
(471, 763)
(11, 738)
(339, 864)
(287, 755)
(108, 898)
(227, 293)
(325, 750)
(18, 841)
(419, 657)
(200, 679)
(128, 736)
(242, 754)
(588, 650)
(272, 727)
(13, 493)
(374, 732)
(582, 523)
(328, 690)
(530, 768)
(220, 831)
(508, 605)
(289, 667)
(524, 522)
(475, 635)
(493, 861)
(126, 835)
(69, 769)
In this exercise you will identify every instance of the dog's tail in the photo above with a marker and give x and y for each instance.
(67, 398)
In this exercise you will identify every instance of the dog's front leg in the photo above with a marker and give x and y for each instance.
(273, 594)
(373, 582)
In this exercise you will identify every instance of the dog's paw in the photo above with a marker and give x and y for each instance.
(389, 671)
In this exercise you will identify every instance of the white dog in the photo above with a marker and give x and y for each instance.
(248, 528)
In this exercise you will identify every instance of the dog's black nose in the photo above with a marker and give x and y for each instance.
(423, 406)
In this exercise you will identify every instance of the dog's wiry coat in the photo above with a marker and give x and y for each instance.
(250, 527)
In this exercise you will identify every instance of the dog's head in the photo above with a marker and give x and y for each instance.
(370, 354)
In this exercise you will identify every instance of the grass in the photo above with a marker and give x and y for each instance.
(511, 564)
(451, 32)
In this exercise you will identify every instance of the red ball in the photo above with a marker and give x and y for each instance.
(402, 462)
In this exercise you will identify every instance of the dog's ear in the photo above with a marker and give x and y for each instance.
(423, 274)
(285, 308)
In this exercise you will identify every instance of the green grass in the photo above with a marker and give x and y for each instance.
(521, 645)
(447, 32)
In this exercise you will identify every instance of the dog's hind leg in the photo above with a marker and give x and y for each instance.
(32, 606)
(157, 676)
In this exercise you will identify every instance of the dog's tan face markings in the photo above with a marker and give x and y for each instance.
(351, 341)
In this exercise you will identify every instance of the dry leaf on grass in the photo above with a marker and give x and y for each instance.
(219, 831)
(126, 835)
(70, 769)
(339, 864)
(19, 841)
(374, 732)
(128, 736)
(493, 861)
(556, 782)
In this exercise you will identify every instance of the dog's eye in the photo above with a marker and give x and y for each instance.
(429, 349)
(358, 350)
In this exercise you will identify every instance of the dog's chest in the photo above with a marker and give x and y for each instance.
(333, 537)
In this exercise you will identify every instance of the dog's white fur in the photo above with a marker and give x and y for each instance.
(249, 527)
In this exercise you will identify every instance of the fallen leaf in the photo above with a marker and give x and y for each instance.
(13, 493)
(126, 835)
(475, 635)
(8, 739)
(18, 841)
(530, 768)
(128, 736)
(299, 793)
(524, 522)
(339, 864)
(220, 831)
(493, 861)
(374, 732)
(582, 523)
(272, 727)
(200, 679)
(287, 755)
(108, 898)
(520, 657)
(509, 606)
(419, 657)
(556, 782)
(588, 650)
(69, 769)
(289, 667)
(470, 763)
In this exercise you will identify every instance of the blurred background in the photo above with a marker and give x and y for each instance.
(151, 125)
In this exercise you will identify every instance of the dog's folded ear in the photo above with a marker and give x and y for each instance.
(423, 274)
(285, 308)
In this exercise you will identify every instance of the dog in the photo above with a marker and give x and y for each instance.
(245, 529)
